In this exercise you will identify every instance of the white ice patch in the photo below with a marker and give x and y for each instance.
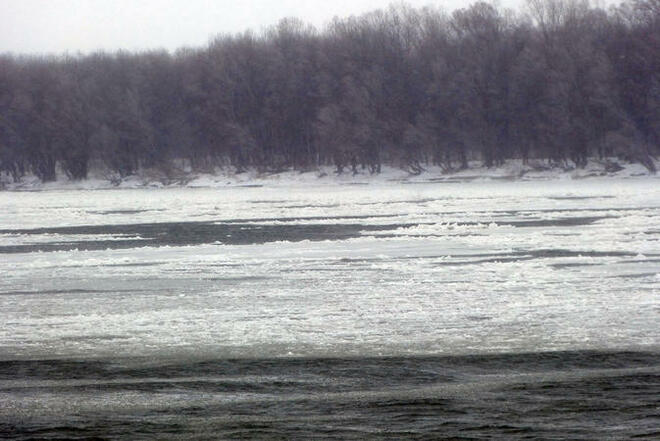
(16, 239)
(462, 268)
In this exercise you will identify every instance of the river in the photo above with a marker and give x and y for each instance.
(471, 310)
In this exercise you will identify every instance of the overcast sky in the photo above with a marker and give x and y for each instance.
(57, 26)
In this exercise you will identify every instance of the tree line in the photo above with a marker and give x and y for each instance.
(564, 81)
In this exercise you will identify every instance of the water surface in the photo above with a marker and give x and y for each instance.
(499, 310)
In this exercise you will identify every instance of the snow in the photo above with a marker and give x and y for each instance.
(326, 175)
(470, 267)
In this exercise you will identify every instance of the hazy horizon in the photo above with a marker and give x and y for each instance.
(38, 27)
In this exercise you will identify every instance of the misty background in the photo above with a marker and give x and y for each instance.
(57, 26)
(405, 86)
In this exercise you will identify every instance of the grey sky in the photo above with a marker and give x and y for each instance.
(56, 26)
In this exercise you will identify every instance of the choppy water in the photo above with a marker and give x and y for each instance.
(435, 311)
(564, 395)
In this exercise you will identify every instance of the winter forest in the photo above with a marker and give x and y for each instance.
(558, 82)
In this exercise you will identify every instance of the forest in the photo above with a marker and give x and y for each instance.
(558, 82)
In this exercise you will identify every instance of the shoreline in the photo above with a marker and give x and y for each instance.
(511, 170)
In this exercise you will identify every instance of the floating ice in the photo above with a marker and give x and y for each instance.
(452, 268)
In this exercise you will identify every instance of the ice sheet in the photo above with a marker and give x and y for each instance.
(458, 268)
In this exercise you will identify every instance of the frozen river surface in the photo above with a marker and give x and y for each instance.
(217, 312)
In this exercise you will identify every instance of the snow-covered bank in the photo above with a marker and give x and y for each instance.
(511, 170)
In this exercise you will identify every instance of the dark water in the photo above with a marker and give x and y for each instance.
(543, 396)
(188, 233)
(234, 232)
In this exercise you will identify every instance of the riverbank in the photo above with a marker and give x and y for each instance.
(228, 177)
